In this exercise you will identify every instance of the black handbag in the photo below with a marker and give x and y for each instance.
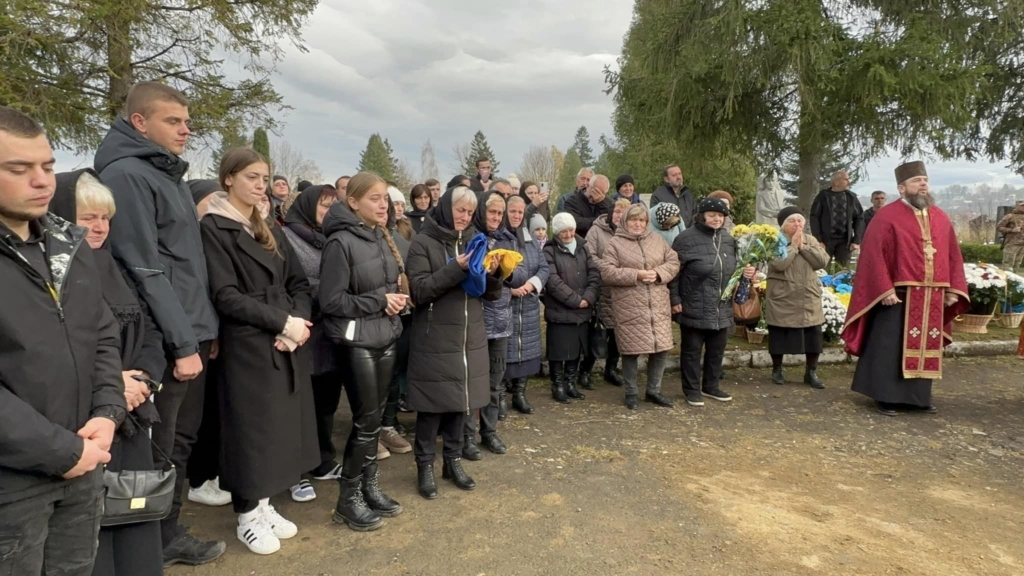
(134, 496)
(597, 336)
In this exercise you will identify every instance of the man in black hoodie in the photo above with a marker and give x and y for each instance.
(675, 192)
(156, 237)
(61, 393)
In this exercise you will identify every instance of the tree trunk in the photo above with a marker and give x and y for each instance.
(809, 156)
(119, 62)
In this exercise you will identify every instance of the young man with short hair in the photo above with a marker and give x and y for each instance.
(156, 237)
(61, 393)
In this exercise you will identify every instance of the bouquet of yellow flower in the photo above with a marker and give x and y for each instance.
(756, 244)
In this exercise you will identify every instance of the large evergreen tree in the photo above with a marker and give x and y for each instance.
(479, 148)
(566, 182)
(581, 143)
(230, 137)
(70, 64)
(261, 144)
(377, 158)
(763, 79)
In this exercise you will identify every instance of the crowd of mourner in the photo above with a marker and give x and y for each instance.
(161, 331)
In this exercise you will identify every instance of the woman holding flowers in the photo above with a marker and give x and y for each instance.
(793, 309)
(707, 260)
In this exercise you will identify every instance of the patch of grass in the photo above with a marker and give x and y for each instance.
(598, 455)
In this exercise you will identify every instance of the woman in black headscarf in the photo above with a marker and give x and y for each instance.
(420, 198)
(458, 180)
(131, 549)
(303, 227)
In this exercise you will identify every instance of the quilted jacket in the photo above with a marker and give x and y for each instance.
(643, 312)
(572, 278)
(707, 259)
(524, 343)
(597, 242)
(498, 313)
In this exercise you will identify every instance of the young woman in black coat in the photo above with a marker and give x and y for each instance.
(573, 287)
(131, 549)
(360, 299)
(268, 430)
(449, 367)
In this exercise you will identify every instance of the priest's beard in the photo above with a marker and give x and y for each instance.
(921, 201)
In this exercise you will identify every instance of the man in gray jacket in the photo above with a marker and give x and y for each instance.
(156, 237)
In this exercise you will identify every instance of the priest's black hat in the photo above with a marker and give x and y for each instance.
(909, 170)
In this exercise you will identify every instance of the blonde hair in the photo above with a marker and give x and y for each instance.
(635, 212)
(623, 203)
(234, 161)
(516, 200)
(91, 193)
(495, 197)
(463, 193)
(359, 186)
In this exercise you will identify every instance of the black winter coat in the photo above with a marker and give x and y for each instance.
(156, 236)
(449, 366)
(60, 364)
(584, 212)
(686, 202)
(356, 271)
(707, 259)
(268, 430)
(821, 217)
(572, 278)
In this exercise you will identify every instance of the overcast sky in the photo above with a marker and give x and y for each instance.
(525, 72)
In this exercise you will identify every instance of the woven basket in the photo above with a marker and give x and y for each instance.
(1011, 320)
(741, 332)
(755, 337)
(972, 323)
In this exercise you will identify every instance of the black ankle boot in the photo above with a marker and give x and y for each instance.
(470, 451)
(519, 397)
(378, 501)
(586, 382)
(631, 401)
(657, 398)
(613, 377)
(453, 471)
(502, 404)
(558, 383)
(777, 376)
(352, 509)
(425, 478)
(571, 373)
(494, 444)
(811, 378)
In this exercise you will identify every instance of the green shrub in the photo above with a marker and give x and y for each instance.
(988, 253)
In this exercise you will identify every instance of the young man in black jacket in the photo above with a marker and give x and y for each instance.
(156, 237)
(61, 394)
(837, 219)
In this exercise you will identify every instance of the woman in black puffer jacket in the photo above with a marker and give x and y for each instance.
(707, 259)
(361, 298)
(449, 367)
(573, 288)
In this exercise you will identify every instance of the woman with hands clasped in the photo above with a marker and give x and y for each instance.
(638, 266)
(361, 284)
(260, 292)
(793, 299)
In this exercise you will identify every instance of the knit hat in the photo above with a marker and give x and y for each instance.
(538, 222)
(202, 188)
(667, 215)
(514, 181)
(788, 211)
(562, 221)
(396, 195)
(623, 180)
(279, 177)
(723, 195)
(712, 205)
(303, 184)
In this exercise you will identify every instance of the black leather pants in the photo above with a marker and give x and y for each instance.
(367, 375)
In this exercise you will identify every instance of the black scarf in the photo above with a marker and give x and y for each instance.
(442, 213)
(301, 217)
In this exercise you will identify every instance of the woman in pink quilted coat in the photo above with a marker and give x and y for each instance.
(638, 266)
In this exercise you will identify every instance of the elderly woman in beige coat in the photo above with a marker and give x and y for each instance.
(793, 299)
(601, 233)
(638, 266)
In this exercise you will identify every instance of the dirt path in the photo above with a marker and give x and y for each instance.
(784, 480)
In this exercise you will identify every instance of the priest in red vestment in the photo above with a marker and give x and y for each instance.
(910, 285)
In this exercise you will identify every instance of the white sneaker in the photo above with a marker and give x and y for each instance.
(258, 536)
(303, 491)
(282, 528)
(209, 494)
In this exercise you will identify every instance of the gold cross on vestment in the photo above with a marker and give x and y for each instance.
(929, 251)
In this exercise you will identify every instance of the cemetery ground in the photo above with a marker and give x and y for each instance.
(783, 480)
